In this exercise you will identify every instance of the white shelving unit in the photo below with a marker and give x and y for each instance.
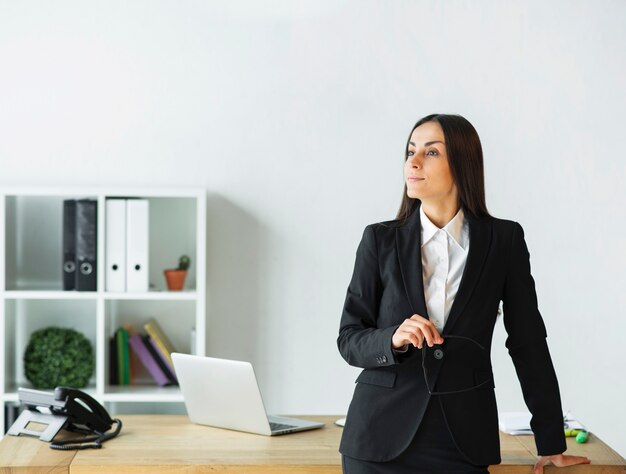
(32, 295)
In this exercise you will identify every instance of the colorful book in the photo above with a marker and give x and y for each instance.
(138, 347)
(134, 362)
(162, 342)
(158, 357)
(123, 357)
(120, 356)
(113, 380)
(126, 353)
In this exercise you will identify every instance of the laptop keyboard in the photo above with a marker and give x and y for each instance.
(279, 426)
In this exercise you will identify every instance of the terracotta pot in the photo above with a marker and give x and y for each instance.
(175, 279)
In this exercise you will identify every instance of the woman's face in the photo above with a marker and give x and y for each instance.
(426, 170)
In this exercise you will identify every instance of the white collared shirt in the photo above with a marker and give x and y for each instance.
(444, 253)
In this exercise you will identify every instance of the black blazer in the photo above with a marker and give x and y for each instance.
(391, 395)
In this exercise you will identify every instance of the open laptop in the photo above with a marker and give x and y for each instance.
(224, 393)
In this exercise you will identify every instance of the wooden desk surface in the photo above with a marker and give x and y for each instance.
(170, 443)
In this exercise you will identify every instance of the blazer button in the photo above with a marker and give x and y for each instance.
(438, 353)
(384, 358)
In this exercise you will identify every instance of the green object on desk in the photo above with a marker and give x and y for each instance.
(582, 437)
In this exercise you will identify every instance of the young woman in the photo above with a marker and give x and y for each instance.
(419, 316)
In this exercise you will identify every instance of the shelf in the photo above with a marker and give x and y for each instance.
(142, 393)
(126, 393)
(33, 239)
(90, 295)
(11, 394)
(32, 295)
(49, 295)
(152, 295)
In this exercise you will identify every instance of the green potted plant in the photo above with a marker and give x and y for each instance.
(58, 356)
(175, 277)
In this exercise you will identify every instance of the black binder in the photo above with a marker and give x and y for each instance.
(69, 244)
(86, 244)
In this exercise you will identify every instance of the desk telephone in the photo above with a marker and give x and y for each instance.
(66, 408)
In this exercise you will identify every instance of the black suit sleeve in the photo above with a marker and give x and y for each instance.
(361, 342)
(527, 346)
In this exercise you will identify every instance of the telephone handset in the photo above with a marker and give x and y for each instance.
(66, 408)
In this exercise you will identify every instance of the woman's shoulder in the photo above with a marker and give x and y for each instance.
(390, 223)
(383, 232)
(386, 226)
(506, 229)
(502, 222)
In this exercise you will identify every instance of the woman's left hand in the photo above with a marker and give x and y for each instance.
(559, 460)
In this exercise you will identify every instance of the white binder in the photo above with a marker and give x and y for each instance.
(115, 245)
(137, 244)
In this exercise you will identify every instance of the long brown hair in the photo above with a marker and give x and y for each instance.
(465, 157)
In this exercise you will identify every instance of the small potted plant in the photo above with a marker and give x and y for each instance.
(175, 277)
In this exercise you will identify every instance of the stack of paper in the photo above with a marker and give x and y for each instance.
(518, 422)
(514, 422)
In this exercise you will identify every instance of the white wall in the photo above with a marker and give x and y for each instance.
(294, 116)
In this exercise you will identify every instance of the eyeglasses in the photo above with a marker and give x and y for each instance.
(460, 358)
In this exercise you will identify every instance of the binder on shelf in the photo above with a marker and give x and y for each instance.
(161, 341)
(86, 241)
(115, 245)
(69, 244)
(137, 244)
(148, 361)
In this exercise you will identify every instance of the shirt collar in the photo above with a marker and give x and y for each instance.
(456, 228)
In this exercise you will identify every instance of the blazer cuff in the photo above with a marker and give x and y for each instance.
(390, 352)
(550, 442)
(402, 349)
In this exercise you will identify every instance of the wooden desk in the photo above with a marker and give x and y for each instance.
(170, 443)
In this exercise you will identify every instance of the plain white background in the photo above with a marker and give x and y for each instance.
(294, 117)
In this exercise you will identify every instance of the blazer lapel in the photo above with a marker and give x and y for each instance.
(480, 241)
(409, 251)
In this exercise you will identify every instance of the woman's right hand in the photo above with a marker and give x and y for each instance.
(413, 331)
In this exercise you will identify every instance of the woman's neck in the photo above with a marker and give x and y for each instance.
(440, 213)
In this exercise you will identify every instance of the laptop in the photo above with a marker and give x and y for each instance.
(224, 393)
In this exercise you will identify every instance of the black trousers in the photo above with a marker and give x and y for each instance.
(432, 451)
